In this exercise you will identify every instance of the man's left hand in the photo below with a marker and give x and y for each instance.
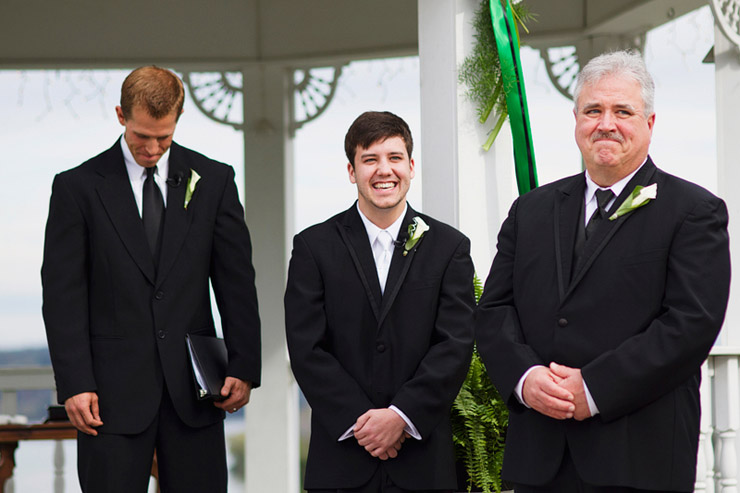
(571, 380)
(237, 394)
(380, 432)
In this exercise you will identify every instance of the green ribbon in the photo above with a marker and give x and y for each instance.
(507, 42)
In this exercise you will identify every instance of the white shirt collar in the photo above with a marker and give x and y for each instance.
(617, 188)
(373, 231)
(137, 174)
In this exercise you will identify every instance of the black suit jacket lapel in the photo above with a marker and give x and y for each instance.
(118, 200)
(177, 218)
(399, 266)
(608, 228)
(354, 235)
(567, 212)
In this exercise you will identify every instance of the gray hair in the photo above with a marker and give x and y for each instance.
(621, 63)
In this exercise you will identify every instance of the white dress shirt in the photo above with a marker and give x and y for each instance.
(589, 209)
(137, 174)
(373, 232)
(590, 195)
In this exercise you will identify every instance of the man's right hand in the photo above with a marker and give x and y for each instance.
(380, 432)
(542, 393)
(82, 410)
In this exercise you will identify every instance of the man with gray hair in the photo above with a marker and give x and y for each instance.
(605, 296)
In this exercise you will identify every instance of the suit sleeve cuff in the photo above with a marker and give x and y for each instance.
(410, 428)
(590, 400)
(349, 433)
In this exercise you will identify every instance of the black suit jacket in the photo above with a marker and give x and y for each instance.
(352, 349)
(638, 318)
(115, 324)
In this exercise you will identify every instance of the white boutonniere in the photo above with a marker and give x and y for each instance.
(639, 197)
(416, 231)
(190, 188)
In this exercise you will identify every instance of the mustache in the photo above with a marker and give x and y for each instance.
(607, 135)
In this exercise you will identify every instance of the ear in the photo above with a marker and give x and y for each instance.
(650, 123)
(351, 172)
(412, 167)
(119, 114)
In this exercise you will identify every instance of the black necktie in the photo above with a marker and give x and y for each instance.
(603, 197)
(153, 207)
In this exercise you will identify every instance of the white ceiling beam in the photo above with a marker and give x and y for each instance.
(582, 19)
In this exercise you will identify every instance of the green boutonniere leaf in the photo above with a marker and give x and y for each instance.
(639, 197)
(416, 231)
(190, 188)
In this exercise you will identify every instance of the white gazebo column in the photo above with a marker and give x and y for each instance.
(726, 378)
(272, 414)
(727, 93)
(461, 184)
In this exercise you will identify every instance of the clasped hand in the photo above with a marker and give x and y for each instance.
(380, 432)
(556, 391)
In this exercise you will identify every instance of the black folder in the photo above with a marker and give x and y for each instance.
(208, 359)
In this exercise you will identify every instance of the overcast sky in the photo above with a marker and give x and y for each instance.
(51, 121)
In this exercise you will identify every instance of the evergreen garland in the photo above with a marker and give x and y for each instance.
(480, 72)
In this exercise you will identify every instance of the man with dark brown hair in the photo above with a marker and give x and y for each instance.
(378, 313)
(133, 238)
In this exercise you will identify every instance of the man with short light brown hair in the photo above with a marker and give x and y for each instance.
(157, 90)
(133, 239)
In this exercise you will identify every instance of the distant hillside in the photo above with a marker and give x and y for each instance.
(25, 357)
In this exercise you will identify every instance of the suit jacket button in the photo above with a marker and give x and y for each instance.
(159, 295)
(161, 334)
(380, 347)
(563, 322)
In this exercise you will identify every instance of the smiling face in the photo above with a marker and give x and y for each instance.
(147, 137)
(383, 174)
(612, 130)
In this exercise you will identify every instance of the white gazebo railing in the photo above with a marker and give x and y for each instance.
(717, 465)
(13, 380)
